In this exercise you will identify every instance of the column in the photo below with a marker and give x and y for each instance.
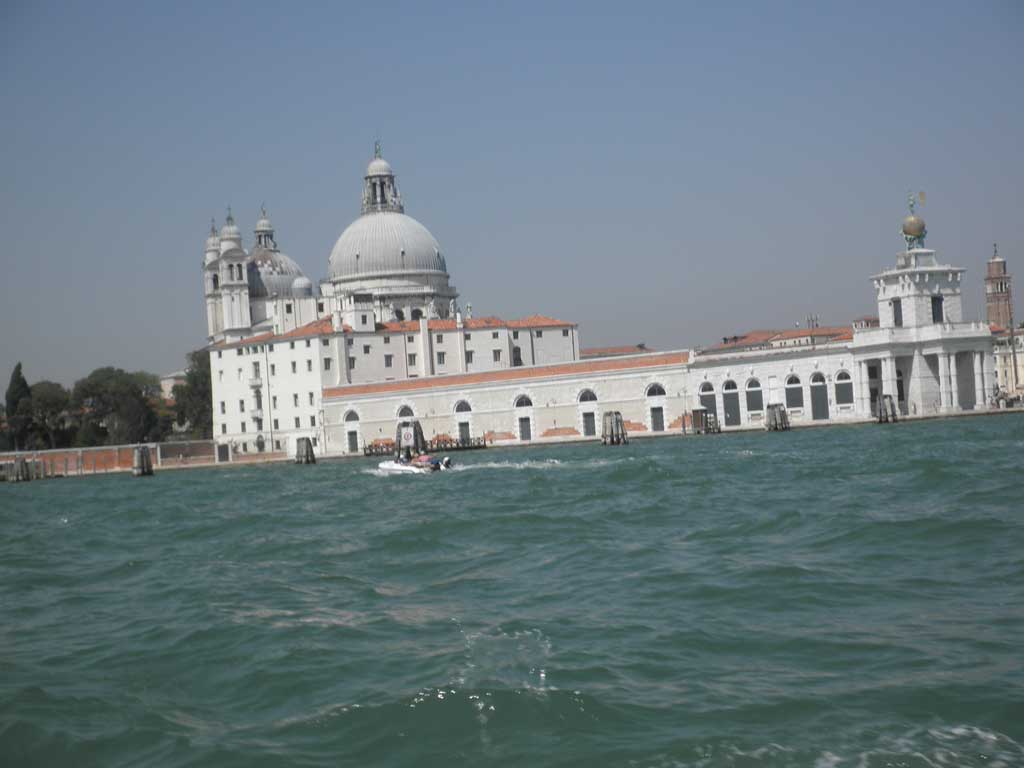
(986, 375)
(943, 381)
(890, 380)
(865, 389)
(913, 384)
(954, 384)
(979, 385)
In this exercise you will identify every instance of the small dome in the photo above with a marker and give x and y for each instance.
(301, 286)
(263, 224)
(379, 167)
(385, 243)
(230, 230)
(213, 240)
(272, 273)
(913, 226)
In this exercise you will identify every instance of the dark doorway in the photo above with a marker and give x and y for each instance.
(353, 442)
(819, 398)
(657, 420)
(464, 431)
(589, 425)
(707, 401)
(524, 428)
(731, 404)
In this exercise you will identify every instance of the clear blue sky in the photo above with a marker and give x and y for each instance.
(667, 173)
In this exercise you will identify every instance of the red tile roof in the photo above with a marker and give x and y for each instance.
(634, 349)
(765, 337)
(321, 327)
(511, 374)
(538, 321)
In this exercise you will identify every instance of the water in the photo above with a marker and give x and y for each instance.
(833, 597)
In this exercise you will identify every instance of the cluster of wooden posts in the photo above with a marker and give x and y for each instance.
(23, 470)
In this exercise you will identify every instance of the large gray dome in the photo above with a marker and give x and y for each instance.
(271, 273)
(385, 243)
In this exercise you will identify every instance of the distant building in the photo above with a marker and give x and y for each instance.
(168, 382)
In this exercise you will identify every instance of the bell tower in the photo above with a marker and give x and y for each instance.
(380, 190)
(998, 291)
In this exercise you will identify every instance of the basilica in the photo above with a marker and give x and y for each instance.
(383, 337)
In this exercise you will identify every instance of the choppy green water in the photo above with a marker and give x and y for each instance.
(832, 597)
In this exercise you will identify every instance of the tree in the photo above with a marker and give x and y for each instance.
(18, 417)
(50, 403)
(193, 399)
(114, 408)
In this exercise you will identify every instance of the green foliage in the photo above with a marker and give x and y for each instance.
(18, 407)
(193, 399)
(50, 403)
(114, 405)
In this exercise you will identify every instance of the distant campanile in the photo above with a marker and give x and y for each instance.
(998, 294)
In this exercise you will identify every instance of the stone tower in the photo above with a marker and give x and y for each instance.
(998, 294)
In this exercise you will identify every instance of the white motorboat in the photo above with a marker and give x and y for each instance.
(415, 467)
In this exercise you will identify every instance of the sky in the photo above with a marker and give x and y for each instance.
(667, 173)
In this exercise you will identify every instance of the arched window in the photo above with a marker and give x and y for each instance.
(729, 386)
(216, 282)
(351, 416)
(817, 379)
(405, 412)
(755, 399)
(844, 388)
(462, 407)
(655, 390)
(523, 402)
(794, 393)
(707, 388)
(587, 396)
(417, 314)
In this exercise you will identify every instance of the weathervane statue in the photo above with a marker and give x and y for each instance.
(914, 230)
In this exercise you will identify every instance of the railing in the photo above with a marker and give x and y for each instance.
(387, 448)
(255, 382)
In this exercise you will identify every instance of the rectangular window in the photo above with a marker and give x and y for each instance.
(308, 342)
(440, 358)
(410, 339)
(291, 345)
(387, 360)
(349, 342)
(320, 307)
(387, 339)
(297, 425)
(295, 399)
(222, 408)
(223, 429)
(412, 359)
(275, 424)
(325, 342)
(243, 426)
(312, 421)
(465, 336)
(270, 348)
(327, 363)
(897, 313)
(362, 319)
(515, 335)
(539, 334)
(872, 371)
(273, 400)
(937, 314)
(309, 365)
(366, 349)
(219, 355)
(294, 369)
(440, 338)
(241, 406)
(351, 363)
(494, 334)
(277, 444)
(220, 375)
(245, 446)
(273, 369)
(496, 355)
(469, 356)
(241, 351)
(288, 309)
(310, 398)
(565, 332)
